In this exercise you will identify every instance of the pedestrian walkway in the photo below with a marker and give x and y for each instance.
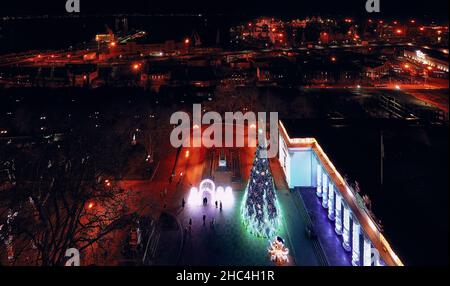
(324, 228)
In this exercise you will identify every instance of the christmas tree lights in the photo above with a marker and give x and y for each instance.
(260, 211)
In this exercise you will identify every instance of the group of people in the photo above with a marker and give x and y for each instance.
(211, 223)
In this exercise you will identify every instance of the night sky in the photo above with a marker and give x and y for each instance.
(389, 8)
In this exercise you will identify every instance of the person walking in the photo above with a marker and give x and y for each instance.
(220, 205)
(216, 204)
(204, 219)
(183, 202)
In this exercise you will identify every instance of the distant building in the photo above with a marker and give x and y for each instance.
(82, 74)
(432, 58)
(273, 69)
(374, 70)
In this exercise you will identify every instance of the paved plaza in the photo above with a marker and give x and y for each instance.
(229, 243)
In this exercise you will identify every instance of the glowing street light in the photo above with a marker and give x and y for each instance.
(90, 205)
(399, 31)
(187, 41)
(136, 67)
(397, 87)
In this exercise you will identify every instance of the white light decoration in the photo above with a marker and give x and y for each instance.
(193, 197)
(338, 216)
(331, 201)
(228, 199)
(367, 252)
(319, 181)
(355, 244)
(218, 194)
(346, 230)
(325, 190)
(278, 252)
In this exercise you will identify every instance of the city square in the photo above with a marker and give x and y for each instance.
(290, 133)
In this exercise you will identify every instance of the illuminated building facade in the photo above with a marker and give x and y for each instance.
(428, 58)
(306, 165)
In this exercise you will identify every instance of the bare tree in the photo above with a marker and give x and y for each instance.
(68, 201)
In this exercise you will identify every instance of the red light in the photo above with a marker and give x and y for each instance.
(422, 28)
(333, 59)
(187, 41)
(136, 67)
(399, 31)
(112, 44)
(406, 66)
(90, 205)
(69, 56)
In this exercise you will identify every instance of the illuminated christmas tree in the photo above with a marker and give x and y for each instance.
(259, 209)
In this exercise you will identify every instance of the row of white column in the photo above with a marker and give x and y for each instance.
(353, 237)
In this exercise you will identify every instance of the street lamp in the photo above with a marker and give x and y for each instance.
(136, 67)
